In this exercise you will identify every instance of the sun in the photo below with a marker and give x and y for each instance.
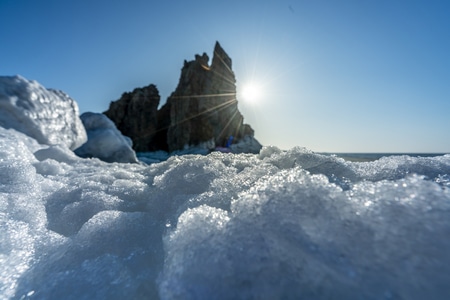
(251, 92)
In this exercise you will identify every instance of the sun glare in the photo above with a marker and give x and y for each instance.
(251, 92)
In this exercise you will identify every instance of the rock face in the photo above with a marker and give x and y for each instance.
(204, 106)
(135, 115)
(201, 111)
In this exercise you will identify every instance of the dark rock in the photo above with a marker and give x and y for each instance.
(160, 138)
(204, 105)
(135, 115)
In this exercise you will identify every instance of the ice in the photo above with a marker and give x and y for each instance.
(49, 116)
(105, 141)
(247, 145)
(294, 236)
(275, 225)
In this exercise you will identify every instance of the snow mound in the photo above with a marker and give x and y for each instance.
(276, 225)
(49, 116)
(105, 141)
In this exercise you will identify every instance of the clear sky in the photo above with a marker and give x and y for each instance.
(333, 76)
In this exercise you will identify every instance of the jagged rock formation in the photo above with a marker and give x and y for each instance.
(202, 110)
(135, 115)
(204, 106)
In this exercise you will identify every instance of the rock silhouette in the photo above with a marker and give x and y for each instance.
(201, 111)
(135, 115)
(204, 105)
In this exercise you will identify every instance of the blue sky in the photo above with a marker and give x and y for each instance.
(335, 76)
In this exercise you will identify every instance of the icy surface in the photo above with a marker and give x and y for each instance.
(49, 116)
(105, 141)
(276, 225)
(247, 145)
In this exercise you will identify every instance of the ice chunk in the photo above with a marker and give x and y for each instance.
(49, 116)
(105, 141)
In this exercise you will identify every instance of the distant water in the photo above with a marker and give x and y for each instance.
(364, 157)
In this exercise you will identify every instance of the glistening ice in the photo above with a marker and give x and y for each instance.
(278, 225)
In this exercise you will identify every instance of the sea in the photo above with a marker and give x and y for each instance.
(366, 157)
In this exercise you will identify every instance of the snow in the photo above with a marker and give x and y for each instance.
(105, 141)
(273, 225)
(247, 145)
(276, 225)
(49, 116)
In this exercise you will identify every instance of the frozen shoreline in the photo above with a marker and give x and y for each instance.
(278, 224)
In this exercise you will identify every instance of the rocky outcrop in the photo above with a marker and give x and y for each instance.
(201, 111)
(204, 106)
(135, 115)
